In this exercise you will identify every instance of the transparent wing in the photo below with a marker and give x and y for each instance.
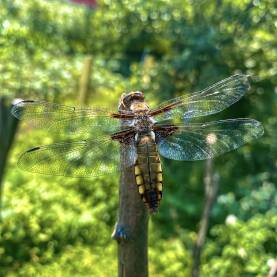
(54, 116)
(87, 158)
(208, 140)
(208, 101)
(41, 112)
(87, 126)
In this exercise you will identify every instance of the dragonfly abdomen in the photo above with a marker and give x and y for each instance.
(148, 173)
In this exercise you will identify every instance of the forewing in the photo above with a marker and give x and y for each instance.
(41, 112)
(208, 101)
(56, 117)
(209, 140)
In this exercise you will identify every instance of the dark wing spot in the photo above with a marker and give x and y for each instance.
(33, 149)
(28, 101)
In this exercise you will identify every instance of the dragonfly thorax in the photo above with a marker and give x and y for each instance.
(143, 123)
(144, 127)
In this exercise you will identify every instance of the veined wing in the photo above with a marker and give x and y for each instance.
(208, 140)
(208, 101)
(86, 158)
(54, 116)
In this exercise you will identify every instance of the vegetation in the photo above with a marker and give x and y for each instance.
(62, 226)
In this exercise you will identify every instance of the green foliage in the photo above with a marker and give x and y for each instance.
(242, 248)
(77, 260)
(62, 226)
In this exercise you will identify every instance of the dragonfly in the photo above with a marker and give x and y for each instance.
(135, 136)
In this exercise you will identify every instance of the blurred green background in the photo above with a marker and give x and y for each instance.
(54, 226)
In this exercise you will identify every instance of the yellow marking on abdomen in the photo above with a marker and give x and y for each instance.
(141, 189)
(159, 177)
(137, 170)
(139, 180)
(156, 167)
(159, 186)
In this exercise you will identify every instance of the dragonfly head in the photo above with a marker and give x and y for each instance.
(133, 101)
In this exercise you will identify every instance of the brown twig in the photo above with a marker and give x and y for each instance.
(211, 188)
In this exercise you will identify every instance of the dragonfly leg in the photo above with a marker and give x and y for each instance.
(123, 136)
(162, 132)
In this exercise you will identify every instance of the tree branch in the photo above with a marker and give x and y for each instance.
(211, 188)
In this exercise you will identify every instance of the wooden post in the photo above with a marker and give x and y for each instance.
(84, 83)
(131, 230)
(211, 188)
